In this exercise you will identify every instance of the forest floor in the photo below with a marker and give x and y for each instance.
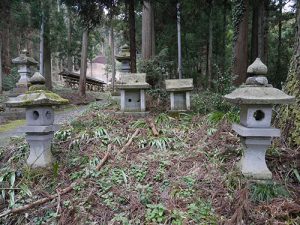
(116, 169)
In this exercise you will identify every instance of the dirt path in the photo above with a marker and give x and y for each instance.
(61, 117)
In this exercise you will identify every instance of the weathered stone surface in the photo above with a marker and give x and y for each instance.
(124, 58)
(255, 132)
(37, 78)
(39, 129)
(36, 98)
(256, 99)
(132, 87)
(260, 80)
(179, 84)
(39, 116)
(257, 68)
(24, 59)
(133, 81)
(40, 149)
(258, 95)
(253, 163)
(256, 116)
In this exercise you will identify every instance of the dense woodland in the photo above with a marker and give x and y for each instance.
(113, 169)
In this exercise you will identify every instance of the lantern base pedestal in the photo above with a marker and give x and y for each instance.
(40, 149)
(253, 163)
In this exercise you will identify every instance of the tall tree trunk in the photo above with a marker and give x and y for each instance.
(84, 49)
(254, 32)
(210, 46)
(279, 46)
(132, 37)
(69, 29)
(112, 49)
(261, 30)
(42, 45)
(240, 52)
(266, 31)
(47, 50)
(1, 76)
(289, 119)
(179, 42)
(6, 57)
(223, 49)
(148, 40)
(258, 26)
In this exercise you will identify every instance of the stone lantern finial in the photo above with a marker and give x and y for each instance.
(24, 52)
(258, 70)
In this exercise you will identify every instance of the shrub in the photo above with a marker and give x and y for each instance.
(207, 102)
(9, 81)
(157, 68)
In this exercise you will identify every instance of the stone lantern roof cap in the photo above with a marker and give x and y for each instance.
(37, 95)
(133, 81)
(37, 78)
(24, 59)
(248, 94)
(179, 84)
(125, 53)
(257, 90)
(257, 68)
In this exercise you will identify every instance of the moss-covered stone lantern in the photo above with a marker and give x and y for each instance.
(39, 129)
(24, 62)
(256, 99)
(180, 90)
(132, 88)
(124, 59)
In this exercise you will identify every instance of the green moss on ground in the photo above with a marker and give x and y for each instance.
(11, 125)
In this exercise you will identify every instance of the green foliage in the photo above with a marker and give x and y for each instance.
(178, 217)
(140, 123)
(267, 191)
(9, 81)
(10, 178)
(223, 83)
(161, 143)
(156, 68)
(63, 135)
(217, 116)
(207, 102)
(145, 192)
(201, 212)
(156, 213)
(139, 172)
(162, 118)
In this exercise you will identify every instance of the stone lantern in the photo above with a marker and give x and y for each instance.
(24, 61)
(256, 99)
(124, 59)
(132, 88)
(179, 93)
(39, 129)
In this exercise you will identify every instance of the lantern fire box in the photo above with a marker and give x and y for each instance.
(180, 90)
(132, 87)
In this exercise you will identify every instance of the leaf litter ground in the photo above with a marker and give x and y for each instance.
(185, 175)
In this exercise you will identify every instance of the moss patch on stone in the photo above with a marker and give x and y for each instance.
(11, 125)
